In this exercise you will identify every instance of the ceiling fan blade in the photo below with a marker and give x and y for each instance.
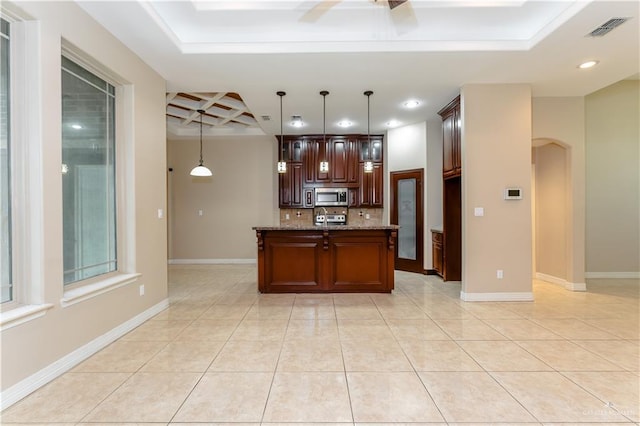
(404, 18)
(318, 10)
(395, 3)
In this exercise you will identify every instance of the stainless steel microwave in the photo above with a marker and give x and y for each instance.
(331, 197)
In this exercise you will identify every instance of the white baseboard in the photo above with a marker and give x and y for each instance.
(561, 282)
(23, 388)
(525, 296)
(621, 275)
(212, 261)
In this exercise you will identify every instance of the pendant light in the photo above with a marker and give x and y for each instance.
(200, 170)
(368, 165)
(282, 165)
(324, 165)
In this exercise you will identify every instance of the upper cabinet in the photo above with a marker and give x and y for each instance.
(344, 155)
(451, 139)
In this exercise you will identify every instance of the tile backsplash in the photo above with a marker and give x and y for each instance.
(355, 216)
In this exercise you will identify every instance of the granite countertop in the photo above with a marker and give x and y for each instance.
(320, 228)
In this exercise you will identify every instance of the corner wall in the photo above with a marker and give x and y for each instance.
(496, 153)
(242, 193)
(613, 181)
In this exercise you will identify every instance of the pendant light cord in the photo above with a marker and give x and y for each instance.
(324, 94)
(281, 94)
(368, 94)
(201, 111)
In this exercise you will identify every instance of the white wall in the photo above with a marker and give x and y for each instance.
(496, 153)
(242, 193)
(613, 181)
(30, 348)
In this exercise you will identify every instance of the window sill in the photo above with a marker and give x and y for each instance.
(89, 291)
(22, 314)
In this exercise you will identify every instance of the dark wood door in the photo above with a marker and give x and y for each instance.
(407, 211)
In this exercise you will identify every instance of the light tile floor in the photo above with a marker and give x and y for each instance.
(221, 353)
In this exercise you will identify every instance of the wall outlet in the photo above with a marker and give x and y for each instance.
(200, 212)
(141, 288)
(286, 216)
(499, 274)
(367, 216)
(160, 213)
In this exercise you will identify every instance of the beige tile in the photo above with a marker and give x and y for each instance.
(350, 329)
(574, 329)
(366, 312)
(313, 299)
(227, 397)
(623, 353)
(438, 355)
(260, 330)
(269, 312)
(308, 397)
(390, 397)
(563, 355)
(193, 356)
(550, 397)
(502, 356)
(145, 397)
(406, 312)
(237, 299)
(352, 299)
(312, 329)
(202, 329)
(311, 355)
(488, 310)
(619, 390)
(469, 329)
(185, 310)
(374, 355)
(247, 355)
(225, 312)
(416, 329)
(447, 311)
(472, 397)
(521, 329)
(121, 356)
(163, 331)
(66, 399)
(313, 312)
(625, 328)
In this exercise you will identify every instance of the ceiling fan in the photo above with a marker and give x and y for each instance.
(404, 17)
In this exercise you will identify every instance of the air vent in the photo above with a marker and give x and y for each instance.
(607, 26)
(265, 117)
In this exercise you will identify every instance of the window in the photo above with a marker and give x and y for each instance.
(88, 174)
(6, 292)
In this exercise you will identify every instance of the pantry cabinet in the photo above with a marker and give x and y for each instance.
(451, 139)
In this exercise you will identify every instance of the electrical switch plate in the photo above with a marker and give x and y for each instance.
(141, 289)
(160, 213)
(499, 274)
(367, 216)
(200, 213)
(478, 211)
(286, 216)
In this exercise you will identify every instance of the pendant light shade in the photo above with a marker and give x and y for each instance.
(200, 170)
(368, 165)
(324, 164)
(282, 165)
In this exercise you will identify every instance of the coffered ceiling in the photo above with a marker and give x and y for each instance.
(423, 50)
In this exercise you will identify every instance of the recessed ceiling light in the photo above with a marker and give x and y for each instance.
(411, 103)
(344, 123)
(393, 123)
(587, 64)
(76, 126)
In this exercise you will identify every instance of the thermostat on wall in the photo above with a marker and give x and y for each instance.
(513, 193)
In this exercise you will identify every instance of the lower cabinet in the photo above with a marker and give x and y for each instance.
(326, 260)
(437, 251)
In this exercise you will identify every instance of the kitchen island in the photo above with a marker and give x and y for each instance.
(326, 259)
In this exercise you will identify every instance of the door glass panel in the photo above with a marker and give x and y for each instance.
(407, 218)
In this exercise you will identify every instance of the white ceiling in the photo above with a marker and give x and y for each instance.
(423, 49)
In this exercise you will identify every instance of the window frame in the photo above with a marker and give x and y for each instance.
(13, 302)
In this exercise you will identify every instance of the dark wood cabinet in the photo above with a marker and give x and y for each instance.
(345, 155)
(451, 191)
(371, 186)
(436, 250)
(451, 139)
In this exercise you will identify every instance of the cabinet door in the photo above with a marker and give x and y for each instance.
(457, 139)
(353, 197)
(323, 153)
(448, 144)
(376, 185)
(284, 187)
(309, 160)
(353, 161)
(339, 165)
(365, 186)
(297, 196)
